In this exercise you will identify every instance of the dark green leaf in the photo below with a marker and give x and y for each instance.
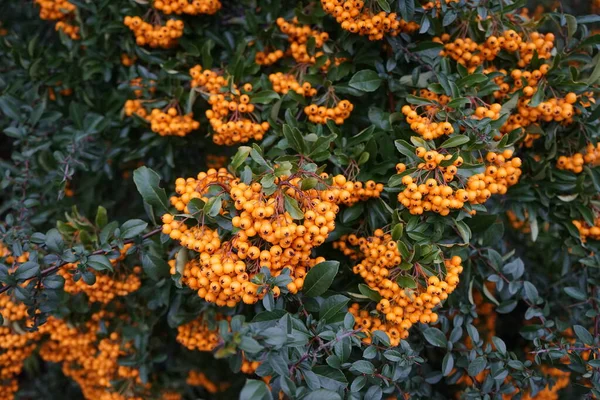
(319, 278)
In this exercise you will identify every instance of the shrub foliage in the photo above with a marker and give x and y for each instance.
(302, 199)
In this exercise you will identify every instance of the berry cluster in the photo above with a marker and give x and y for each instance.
(172, 123)
(527, 81)
(586, 231)
(90, 357)
(554, 109)
(197, 335)
(356, 18)
(155, 35)
(139, 87)
(61, 89)
(207, 80)
(128, 60)
(249, 367)
(11, 311)
(486, 322)
(517, 223)
(424, 124)
(576, 162)
(61, 11)
(267, 58)
(298, 37)
(196, 378)
(105, 287)
(266, 235)
(169, 123)
(195, 7)
(231, 115)
(425, 191)
(16, 342)
(283, 83)
(472, 54)
(399, 307)
(226, 119)
(492, 111)
(437, 4)
(215, 161)
(321, 114)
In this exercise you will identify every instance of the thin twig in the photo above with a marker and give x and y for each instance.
(54, 268)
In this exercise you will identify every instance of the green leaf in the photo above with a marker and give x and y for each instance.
(490, 296)
(363, 367)
(406, 282)
(472, 79)
(54, 241)
(407, 9)
(463, 230)
(538, 97)
(457, 103)
(435, 337)
(330, 373)
(593, 78)
(133, 228)
(531, 292)
(99, 262)
(107, 232)
(332, 306)
(385, 6)
(101, 217)
(455, 141)
(583, 334)
(419, 101)
(447, 364)
(571, 25)
(294, 138)
(155, 267)
(238, 159)
(309, 183)
(405, 148)
(255, 390)
(256, 154)
(264, 97)
(250, 345)
(366, 81)
(196, 206)
(322, 394)
(358, 383)
(53, 282)
(500, 345)
(361, 137)
(575, 293)
(449, 18)
(476, 366)
(147, 183)
(27, 270)
(9, 107)
(212, 207)
(397, 231)
(291, 206)
(368, 292)
(403, 249)
(319, 278)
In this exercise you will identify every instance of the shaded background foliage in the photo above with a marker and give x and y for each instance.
(79, 150)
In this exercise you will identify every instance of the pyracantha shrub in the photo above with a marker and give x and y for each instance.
(299, 199)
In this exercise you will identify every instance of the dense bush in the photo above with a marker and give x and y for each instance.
(299, 199)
